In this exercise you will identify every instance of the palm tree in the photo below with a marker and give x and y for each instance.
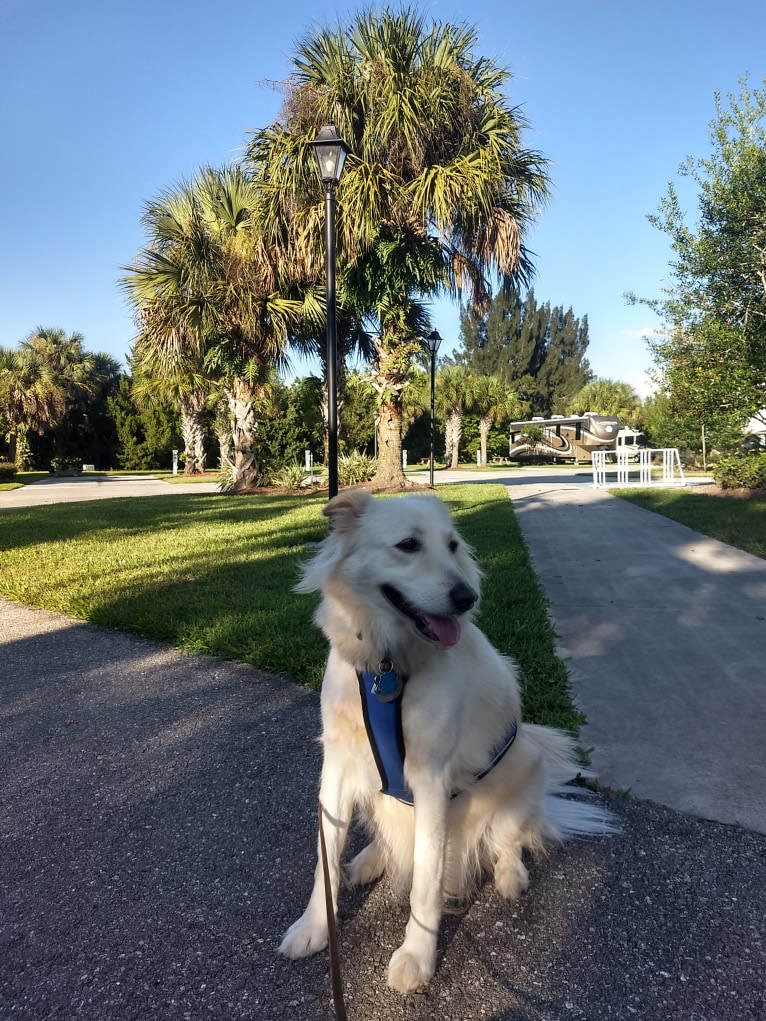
(31, 397)
(70, 363)
(182, 383)
(207, 303)
(607, 397)
(437, 193)
(454, 395)
(494, 401)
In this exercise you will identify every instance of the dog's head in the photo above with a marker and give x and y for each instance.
(397, 564)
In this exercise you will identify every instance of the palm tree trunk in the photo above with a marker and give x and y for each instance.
(12, 445)
(243, 465)
(193, 435)
(390, 381)
(325, 411)
(222, 428)
(389, 471)
(455, 425)
(485, 424)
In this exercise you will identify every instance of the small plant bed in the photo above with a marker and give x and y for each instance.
(736, 521)
(216, 574)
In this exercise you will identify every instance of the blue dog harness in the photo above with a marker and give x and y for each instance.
(381, 692)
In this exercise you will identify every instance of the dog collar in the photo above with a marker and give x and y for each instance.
(381, 693)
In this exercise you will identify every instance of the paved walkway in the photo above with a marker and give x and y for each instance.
(157, 829)
(664, 633)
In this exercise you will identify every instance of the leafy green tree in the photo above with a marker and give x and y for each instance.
(437, 194)
(712, 357)
(607, 397)
(293, 424)
(358, 420)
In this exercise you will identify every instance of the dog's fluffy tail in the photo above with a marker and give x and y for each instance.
(570, 810)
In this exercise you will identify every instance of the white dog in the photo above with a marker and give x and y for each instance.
(416, 703)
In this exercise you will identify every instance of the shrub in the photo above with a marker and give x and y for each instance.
(289, 476)
(66, 465)
(355, 468)
(7, 471)
(741, 471)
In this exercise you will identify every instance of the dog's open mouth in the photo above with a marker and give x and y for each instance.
(445, 631)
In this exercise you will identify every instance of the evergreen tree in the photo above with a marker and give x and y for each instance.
(146, 437)
(537, 350)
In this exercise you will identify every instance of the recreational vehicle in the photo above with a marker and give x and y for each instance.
(561, 437)
(632, 441)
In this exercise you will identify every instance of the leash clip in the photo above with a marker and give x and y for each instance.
(387, 685)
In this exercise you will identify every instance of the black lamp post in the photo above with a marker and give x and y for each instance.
(433, 340)
(331, 152)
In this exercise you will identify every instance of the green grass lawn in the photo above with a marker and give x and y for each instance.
(22, 479)
(215, 574)
(731, 519)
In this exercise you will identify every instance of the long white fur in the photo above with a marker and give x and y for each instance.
(459, 702)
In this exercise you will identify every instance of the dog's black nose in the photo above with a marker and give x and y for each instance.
(462, 597)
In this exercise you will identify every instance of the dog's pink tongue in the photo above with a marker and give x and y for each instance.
(446, 630)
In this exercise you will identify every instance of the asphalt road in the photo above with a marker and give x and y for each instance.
(157, 836)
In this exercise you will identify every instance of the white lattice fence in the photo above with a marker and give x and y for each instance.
(660, 467)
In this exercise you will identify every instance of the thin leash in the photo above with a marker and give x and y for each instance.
(332, 938)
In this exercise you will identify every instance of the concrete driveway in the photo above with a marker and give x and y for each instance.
(102, 487)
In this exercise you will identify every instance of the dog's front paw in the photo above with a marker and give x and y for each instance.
(304, 937)
(407, 971)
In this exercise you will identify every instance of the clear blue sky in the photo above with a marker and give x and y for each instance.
(104, 103)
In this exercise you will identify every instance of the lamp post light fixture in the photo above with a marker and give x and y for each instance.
(330, 151)
(433, 341)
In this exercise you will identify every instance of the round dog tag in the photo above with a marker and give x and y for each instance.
(387, 686)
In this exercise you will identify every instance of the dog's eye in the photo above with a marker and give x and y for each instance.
(453, 546)
(410, 545)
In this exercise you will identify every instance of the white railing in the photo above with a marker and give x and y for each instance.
(650, 463)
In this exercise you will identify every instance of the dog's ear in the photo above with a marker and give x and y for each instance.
(345, 509)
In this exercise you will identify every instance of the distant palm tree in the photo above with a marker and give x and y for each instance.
(607, 397)
(32, 397)
(75, 368)
(494, 401)
(455, 387)
(437, 192)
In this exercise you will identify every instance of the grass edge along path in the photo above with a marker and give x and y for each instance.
(731, 519)
(215, 574)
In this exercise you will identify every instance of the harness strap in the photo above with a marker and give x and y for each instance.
(383, 723)
(382, 715)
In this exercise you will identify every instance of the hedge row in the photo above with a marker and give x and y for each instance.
(741, 471)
